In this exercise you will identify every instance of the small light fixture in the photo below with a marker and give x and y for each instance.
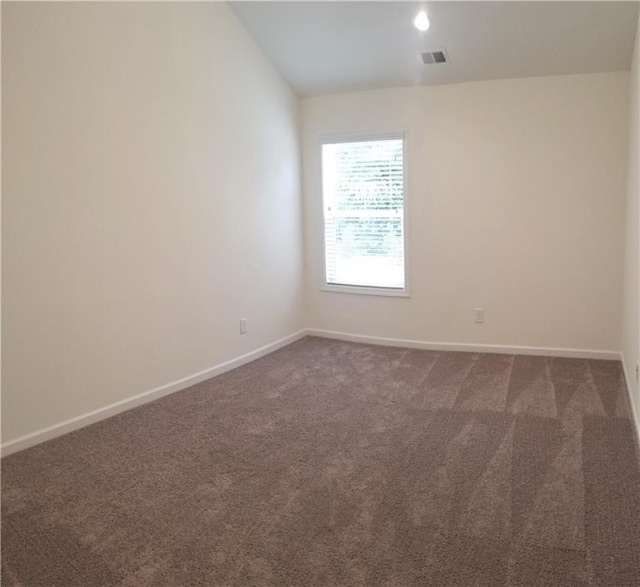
(421, 21)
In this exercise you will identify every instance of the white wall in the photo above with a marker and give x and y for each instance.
(151, 200)
(631, 301)
(516, 194)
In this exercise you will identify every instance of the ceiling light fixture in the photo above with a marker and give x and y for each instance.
(421, 21)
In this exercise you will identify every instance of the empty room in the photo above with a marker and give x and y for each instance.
(320, 294)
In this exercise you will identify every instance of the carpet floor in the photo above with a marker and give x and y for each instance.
(332, 463)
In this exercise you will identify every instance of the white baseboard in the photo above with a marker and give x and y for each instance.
(634, 410)
(473, 348)
(72, 424)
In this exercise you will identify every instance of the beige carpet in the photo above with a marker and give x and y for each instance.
(330, 463)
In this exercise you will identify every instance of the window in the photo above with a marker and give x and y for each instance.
(364, 214)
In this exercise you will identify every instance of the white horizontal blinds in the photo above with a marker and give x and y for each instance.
(363, 194)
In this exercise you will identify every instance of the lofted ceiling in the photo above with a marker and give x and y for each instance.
(331, 47)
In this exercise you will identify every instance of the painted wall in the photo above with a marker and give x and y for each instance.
(516, 195)
(631, 300)
(151, 197)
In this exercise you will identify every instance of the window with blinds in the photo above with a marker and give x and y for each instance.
(363, 197)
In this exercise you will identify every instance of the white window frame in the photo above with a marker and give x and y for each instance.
(355, 137)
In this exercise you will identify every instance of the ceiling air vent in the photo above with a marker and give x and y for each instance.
(434, 57)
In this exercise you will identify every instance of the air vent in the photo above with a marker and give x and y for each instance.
(434, 57)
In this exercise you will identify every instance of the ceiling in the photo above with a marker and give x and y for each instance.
(331, 47)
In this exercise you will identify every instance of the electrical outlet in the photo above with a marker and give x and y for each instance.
(243, 326)
(478, 315)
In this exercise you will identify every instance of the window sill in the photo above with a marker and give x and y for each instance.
(367, 291)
